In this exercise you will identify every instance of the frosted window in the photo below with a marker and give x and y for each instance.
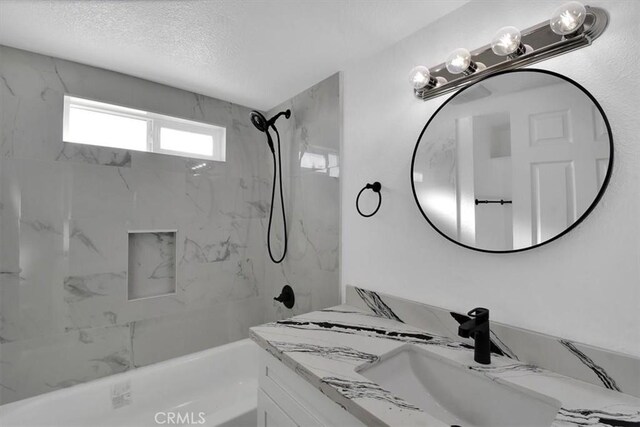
(107, 125)
(186, 142)
(107, 130)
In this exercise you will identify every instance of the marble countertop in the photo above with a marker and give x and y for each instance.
(326, 347)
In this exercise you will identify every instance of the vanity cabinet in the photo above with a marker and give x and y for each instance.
(287, 400)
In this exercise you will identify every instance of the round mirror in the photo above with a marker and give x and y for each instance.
(513, 161)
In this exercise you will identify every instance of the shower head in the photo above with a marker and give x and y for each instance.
(259, 121)
(262, 124)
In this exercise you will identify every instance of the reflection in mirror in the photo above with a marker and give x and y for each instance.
(321, 160)
(512, 161)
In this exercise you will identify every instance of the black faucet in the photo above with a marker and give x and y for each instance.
(478, 328)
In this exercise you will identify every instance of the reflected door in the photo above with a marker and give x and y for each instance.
(559, 158)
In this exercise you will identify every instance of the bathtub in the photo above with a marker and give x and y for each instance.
(215, 387)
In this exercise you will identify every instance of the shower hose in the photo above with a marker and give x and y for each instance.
(277, 169)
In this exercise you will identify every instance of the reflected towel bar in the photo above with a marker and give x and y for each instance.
(486, 202)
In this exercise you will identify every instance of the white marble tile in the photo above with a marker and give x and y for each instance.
(10, 313)
(41, 274)
(215, 265)
(242, 315)
(96, 245)
(98, 300)
(159, 198)
(47, 363)
(212, 197)
(94, 300)
(101, 192)
(31, 101)
(165, 337)
(9, 253)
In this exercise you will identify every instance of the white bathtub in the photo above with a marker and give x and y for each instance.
(215, 387)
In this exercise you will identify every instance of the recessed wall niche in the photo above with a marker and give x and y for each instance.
(152, 264)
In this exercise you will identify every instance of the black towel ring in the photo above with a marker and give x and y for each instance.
(375, 187)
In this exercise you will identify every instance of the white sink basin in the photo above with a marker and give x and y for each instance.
(457, 395)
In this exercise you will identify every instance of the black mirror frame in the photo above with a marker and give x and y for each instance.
(604, 186)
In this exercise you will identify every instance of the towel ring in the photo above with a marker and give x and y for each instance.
(375, 187)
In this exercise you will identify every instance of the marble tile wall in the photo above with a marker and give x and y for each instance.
(310, 142)
(65, 210)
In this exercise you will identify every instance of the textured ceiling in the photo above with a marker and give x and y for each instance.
(256, 53)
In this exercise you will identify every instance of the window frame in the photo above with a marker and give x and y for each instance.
(155, 122)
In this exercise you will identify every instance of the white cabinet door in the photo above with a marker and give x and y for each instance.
(286, 394)
(270, 414)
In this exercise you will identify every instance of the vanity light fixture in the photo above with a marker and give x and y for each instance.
(572, 26)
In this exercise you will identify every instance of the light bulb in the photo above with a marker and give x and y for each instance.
(419, 77)
(458, 61)
(506, 41)
(568, 18)
(440, 81)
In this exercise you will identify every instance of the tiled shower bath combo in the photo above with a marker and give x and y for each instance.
(77, 273)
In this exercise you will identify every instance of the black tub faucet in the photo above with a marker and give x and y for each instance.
(478, 328)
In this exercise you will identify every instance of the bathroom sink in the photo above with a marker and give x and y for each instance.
(456, 394)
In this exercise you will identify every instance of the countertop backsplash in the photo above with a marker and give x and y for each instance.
(614, 371)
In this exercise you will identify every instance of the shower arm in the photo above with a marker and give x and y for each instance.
(273, 119)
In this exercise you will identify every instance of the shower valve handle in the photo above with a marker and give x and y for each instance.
(287, 297)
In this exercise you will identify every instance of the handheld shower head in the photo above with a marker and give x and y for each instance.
(262, 124)
(259, 121)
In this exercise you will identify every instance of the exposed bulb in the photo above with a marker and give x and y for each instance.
(506, 41)
(440, 81)
(419, 77)
(458, 61)
(568, 18)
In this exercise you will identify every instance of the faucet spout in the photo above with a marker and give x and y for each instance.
(467, 329)
(478, 328)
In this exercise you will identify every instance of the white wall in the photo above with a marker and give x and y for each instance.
(584, 286)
